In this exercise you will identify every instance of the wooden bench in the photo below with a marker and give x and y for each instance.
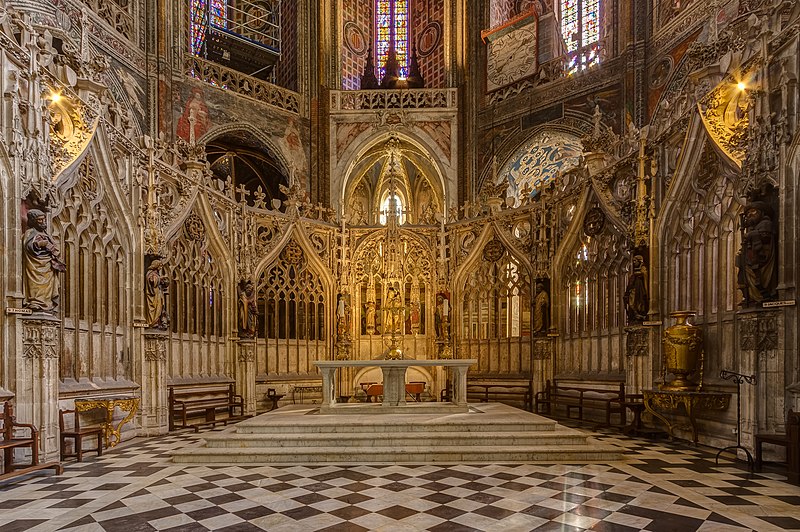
(790, 440)
(606, 396)
(517, 391)
(11, 440)
(201, 406)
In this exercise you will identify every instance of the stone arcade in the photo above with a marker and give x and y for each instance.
(199, 193)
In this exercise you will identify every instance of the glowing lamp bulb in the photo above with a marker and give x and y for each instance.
(55, 97)
(741, 85)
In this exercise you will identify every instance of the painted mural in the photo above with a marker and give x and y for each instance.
(538, 163)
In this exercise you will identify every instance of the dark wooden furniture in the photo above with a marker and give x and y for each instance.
(11, 440)
(77, 434)
(274, 396)
(790, 440)
(204, 406)
(302, 389)
(578, 396)
(516, 392)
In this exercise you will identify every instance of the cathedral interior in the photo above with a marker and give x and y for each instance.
(597, 194)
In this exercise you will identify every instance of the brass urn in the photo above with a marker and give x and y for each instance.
(683, 353)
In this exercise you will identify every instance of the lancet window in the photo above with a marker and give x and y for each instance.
(94, 301)
(580, 29)
(292, 306)
(392, 30)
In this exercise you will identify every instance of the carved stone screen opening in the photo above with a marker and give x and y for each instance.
(292, 312)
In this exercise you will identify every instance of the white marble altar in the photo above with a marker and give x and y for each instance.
(394, 386)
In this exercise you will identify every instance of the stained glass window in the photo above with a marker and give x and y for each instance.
(217, 10)
(391, 26)
(580, 28)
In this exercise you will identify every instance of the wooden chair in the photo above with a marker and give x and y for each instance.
(77, 434)
(780, 440)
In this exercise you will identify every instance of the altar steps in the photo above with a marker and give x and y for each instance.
(489, 433)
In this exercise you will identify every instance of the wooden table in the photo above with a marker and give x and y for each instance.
(109, 404)
(661, 402)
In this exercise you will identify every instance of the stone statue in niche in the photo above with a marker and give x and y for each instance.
(343, 317)
(541, 310)
(369, 312)
(637, 296)
(393, 312)
(441, 315)
(155, 291)
(248, 309)
(41, 265)
(758, 272)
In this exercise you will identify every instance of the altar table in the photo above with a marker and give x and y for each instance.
(109, 404)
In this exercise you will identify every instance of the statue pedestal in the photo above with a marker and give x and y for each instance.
(154, 417)
(37, 379)
(246, 373)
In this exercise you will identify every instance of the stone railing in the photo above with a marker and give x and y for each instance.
(394, 99)
(234, 81)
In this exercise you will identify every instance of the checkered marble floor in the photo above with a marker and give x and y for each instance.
(659, 487)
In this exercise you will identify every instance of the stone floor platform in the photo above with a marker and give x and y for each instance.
(488, 433)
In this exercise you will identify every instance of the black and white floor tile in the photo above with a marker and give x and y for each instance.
(661, 487)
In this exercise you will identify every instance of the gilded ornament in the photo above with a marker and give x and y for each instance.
(683, 353)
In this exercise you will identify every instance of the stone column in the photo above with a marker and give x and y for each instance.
(154, 407)
(37, 380)
(246, 373)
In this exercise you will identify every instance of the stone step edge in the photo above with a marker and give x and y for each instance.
(433, 436)
(590, 447)
(371, 429)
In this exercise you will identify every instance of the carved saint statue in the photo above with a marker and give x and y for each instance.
(370, 317)
(441, 314)
(248, 310)
(41, 265)
(637, 297)
(155, 288)
(758, 276)
(393, 312)
(343, 317)
(541, 310)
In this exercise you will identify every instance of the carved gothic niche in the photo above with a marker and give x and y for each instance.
(394, 167)
(246, 170)
(725, 111)
(539, 162)
(72, 125)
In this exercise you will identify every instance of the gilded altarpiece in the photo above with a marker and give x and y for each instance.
(399, 271)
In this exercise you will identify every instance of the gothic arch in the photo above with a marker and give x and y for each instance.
(199, 204)
(491, 301)
(342, 174)
(268, 141)
(296, 305)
